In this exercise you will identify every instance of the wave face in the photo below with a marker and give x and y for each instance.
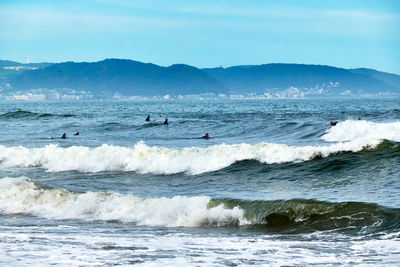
(160, 160)
(302, 215)
(21, 195)
(363, 130)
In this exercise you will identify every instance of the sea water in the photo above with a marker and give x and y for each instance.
(276, 185)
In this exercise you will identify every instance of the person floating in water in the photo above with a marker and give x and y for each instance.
(166, 121)
(333, 123)
(148, 118)
(77, 133)
(207, 136)
(359, 119)
(64, 136)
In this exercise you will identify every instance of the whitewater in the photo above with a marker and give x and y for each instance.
(20, 195)
(277, 185)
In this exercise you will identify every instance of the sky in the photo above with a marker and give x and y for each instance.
(207, 33)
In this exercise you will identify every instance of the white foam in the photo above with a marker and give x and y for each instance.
(160, 160)
(21, 195)
(350, 130)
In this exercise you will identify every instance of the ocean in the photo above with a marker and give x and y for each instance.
(276, 185)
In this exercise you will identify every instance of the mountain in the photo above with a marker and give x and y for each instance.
(128, 77)
(388, 78)
(6, 72)
(8, 63)
(277, 77)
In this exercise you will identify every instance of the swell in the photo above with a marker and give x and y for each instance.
(116, 126)
(161, 160)
(22, 196)
(31, 115)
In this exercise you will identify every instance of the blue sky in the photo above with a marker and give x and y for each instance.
(364, 33)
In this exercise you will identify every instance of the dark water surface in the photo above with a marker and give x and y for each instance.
(277, 185)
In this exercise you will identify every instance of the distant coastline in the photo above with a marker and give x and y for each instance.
(122, 79)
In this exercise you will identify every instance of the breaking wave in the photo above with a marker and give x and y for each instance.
(363, 130)
(23, 196)
(349, 136)
(160, 160)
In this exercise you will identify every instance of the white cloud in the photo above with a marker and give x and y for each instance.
(38, 22)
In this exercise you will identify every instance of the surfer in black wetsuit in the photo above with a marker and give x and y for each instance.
(166, 121)
(77, 133)
(333, 123)
(64, 136)
(148, 118)
(207, 136)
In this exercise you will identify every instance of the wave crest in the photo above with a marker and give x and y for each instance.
(363, 130)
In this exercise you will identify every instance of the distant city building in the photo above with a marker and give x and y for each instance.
(222, 96)
(236, 96)
(192, 97)
(53, 96)
(208, 95)
(70, 97)
(28, 97)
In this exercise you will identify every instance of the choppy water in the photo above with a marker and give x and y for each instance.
(277, 185)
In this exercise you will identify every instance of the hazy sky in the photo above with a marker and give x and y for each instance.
(207, 33)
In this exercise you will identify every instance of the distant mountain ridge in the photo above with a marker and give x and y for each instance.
(278, 76)
(6, 73)
(8, 63)
(388, 78)
(126, 77)
(129, 77)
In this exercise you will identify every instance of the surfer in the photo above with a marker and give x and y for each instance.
(207, 136)
(64, 136)
(333, 123)
(148, 118)
(77, 133)
(166, 121)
